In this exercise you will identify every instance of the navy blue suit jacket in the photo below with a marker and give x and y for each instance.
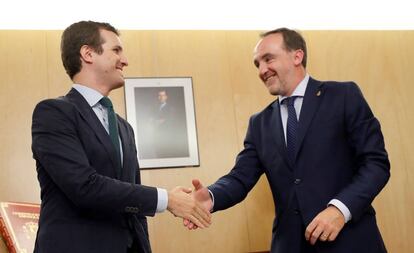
(87, 205)
(341, 155)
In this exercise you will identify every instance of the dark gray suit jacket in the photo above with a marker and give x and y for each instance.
(87, 205)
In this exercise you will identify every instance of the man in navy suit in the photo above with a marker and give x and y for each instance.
(322, 151)
(92, 199)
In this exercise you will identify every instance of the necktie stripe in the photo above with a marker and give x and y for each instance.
(292, 127)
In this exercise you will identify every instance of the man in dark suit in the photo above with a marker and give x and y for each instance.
(163, 124)
(322, 151)
(92, 199)
(170, 129)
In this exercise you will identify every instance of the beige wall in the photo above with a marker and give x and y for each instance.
(227, 91)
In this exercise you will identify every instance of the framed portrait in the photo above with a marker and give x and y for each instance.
(161, 112)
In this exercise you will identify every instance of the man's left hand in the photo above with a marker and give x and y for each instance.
(325, 226)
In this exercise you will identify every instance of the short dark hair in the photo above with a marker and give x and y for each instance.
(292, 40)
(77, 35)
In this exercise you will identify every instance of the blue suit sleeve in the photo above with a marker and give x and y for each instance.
(372, 164)
(234, 187)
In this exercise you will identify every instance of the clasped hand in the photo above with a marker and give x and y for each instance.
(202, 196)
(184, 204)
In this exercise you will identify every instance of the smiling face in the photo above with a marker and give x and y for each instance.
(280, 69)
(109, 64)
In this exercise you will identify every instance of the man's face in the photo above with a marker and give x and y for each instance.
(162, 97)
(276, 65)
(110, 63)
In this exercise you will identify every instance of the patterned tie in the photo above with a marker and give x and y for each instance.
(113, 126)
(292, 127)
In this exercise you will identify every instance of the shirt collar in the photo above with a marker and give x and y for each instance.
(91, 96)
(300, 89)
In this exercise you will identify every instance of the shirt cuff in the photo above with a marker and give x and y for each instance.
(162, 200)
(212, 199)
(342, 207)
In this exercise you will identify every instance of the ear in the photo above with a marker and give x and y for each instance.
(298, 56)
(86, 54)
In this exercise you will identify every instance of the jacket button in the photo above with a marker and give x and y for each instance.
(296, 211)
(297, 181)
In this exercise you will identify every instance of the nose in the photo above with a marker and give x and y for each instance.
(124, 60)
(262, 69)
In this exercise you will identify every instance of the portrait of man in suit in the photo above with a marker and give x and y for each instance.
(161, 122)
(321, 149)
(86, 158)
(170, 127)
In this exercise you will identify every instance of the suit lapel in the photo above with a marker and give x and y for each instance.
(90, 117)
(277, 131)
(126, 175)
(310, 105)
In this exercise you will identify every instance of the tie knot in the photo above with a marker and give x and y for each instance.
(289, 101)
(106, 102)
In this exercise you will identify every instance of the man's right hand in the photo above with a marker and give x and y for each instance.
(202, 195)
(182, 204)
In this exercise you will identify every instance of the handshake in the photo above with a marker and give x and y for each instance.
(193, 206)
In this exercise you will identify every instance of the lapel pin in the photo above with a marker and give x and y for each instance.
(318, 93)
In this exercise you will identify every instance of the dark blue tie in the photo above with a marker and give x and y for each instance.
(292, 127)
(113, 127)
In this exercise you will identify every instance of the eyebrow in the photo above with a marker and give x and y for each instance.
(118, 47)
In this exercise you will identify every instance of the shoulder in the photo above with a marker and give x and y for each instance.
(55, 111)
(60, 102)
(265, 113)
(339, 85)
(347, 94)
(336, 88)
(350, 91)
(54, 104)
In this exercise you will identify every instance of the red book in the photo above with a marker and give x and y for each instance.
(18, 225)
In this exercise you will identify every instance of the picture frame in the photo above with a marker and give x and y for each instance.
(162, 115)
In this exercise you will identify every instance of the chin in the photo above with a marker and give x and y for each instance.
(274, 93)
(121, 81)
(118, 85)
(273, 90)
